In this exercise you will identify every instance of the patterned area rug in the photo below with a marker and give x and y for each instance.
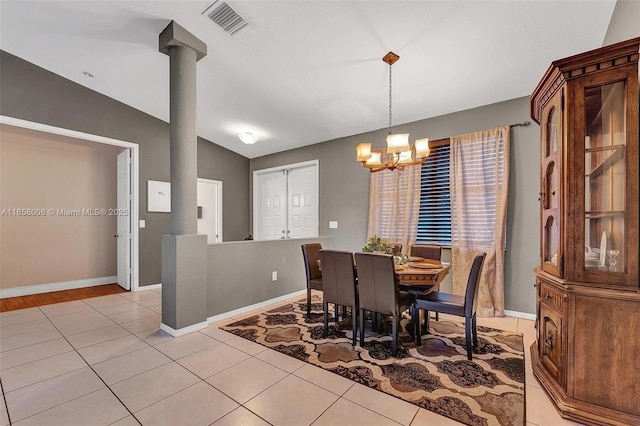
(436, 376)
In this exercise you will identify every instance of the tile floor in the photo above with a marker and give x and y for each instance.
(104, 361)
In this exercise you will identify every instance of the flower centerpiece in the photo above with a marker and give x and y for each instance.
(376, 244)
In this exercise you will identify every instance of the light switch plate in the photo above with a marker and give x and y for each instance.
(143, 223)
(333, 224)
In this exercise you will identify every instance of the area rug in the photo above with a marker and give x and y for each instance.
(489, 390)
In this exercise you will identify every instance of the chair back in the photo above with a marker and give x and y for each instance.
(397, 249)
(471, 295)
(338, 277)
(311, 254)
(426, 251)
(377, 282)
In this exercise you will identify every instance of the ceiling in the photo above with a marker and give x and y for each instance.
(304, 72)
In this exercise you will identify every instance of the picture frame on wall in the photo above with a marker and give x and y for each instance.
(158, 196)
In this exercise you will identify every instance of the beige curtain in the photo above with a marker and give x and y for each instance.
(479, 186)
(394, 204)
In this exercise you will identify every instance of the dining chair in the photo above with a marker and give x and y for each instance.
(426, 251)
(339, 286)
(462, 306)
(378, 292)
(311, 254)
(397, 249)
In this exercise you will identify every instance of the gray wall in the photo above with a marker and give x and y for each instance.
(32, 93)
(239, 273)
(344, 186)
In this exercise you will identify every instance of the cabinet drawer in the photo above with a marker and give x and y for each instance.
(551, 297)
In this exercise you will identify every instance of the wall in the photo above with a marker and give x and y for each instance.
(344, 186)
(43, 171)
(32, 93)
(239, 273)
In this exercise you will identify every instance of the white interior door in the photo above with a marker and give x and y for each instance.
(210, 209)
(124, 220)
(302, 187)
(272, 209)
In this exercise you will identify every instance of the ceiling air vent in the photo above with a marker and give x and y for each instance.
(225, 17)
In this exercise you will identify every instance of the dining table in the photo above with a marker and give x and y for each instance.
(422, 276)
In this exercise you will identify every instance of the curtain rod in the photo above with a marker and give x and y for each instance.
(525, 124)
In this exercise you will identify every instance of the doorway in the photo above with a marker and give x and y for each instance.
(210, 209)
(130, 258)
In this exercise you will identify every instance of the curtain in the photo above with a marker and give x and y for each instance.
(394, 204)
(479, 184)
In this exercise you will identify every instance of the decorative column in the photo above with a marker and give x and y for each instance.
(184, 254)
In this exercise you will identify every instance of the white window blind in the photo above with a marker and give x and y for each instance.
(434, 222)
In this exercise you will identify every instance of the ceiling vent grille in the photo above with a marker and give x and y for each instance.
(225, 17)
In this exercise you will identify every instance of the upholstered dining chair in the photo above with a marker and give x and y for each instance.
(311, 254)
(397, 249)
(339, 286)
(462, 306)
(426, 251)
(378, 292)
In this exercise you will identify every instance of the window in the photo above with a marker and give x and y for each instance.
(434, 220)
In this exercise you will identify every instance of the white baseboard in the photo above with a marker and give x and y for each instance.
(522, 315)
(49, 287)
(149, 287)
(254, 307)
(184, 330)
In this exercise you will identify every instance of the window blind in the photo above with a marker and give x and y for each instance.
(434, 222)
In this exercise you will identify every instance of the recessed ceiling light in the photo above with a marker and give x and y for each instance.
(248, 138)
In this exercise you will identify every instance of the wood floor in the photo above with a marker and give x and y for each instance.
(22, 302)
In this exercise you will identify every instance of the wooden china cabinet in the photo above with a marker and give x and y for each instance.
(587, 354)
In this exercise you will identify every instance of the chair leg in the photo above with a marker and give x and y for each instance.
(417, 325)
(427, 319)
(437, 316)
(308, 302)
(354, 324)
(467, 336)
(362, 328)
(325, 305)
(394, 335)
(474, 329)
(335, 314)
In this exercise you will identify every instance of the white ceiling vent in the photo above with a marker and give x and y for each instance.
(225, 17)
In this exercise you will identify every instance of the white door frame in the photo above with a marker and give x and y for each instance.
(218, 184)
(256, 203)
(135, 173)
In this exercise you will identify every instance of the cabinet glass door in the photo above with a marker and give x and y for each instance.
(605, 178)
(552, 137)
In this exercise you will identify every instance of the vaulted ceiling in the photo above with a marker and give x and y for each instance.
(303, 72)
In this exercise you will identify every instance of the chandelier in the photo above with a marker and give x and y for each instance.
(399, 153)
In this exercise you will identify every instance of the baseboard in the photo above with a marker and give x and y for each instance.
(522, 315)
(182, 331)
(49, 287)
(254, 307)
(149, 287)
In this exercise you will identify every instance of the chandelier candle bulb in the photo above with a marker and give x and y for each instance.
(422, 148)
(398, 143)
(363, 152)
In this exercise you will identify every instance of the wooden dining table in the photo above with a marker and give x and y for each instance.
(422, 276)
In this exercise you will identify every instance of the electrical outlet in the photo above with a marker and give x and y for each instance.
(333, 224)
(274, 276)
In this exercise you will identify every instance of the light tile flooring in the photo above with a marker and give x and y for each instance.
(104, 361)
